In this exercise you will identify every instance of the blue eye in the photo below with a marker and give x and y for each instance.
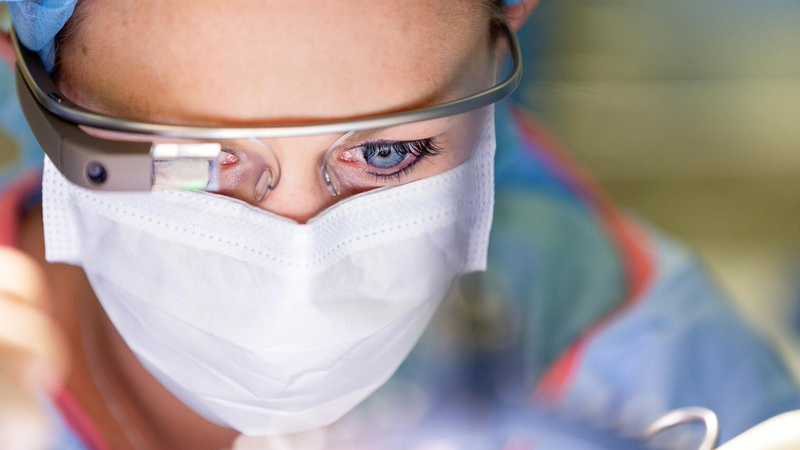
(393, 159)
(384, 156)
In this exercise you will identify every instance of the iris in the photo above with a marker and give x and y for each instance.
(385, 156)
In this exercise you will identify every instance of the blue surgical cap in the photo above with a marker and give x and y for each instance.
(38, 21)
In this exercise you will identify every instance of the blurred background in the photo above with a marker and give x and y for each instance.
(688, 112)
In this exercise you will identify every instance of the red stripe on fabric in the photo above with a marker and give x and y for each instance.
(10, 202)
(631, 241)
(79, 422)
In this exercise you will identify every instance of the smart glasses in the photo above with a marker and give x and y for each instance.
(374, 151)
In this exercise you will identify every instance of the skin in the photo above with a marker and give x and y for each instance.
(382, 60)
(201, 62)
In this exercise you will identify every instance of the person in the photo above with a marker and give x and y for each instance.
(282, 302)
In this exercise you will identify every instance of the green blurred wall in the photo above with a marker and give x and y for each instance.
(688, 111)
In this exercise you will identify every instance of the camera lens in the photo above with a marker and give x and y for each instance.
(96, 172)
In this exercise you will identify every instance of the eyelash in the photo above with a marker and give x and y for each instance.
(421, 149)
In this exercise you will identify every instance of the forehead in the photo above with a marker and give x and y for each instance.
(243, 61)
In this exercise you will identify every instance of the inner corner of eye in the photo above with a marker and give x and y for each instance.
(348, 155)
(228, 157)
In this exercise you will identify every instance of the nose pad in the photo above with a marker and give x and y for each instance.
(330, 179)
(264, 185)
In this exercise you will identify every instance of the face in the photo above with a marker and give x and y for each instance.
(244, 62)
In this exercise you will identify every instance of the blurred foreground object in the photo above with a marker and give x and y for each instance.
(778, 433)
(506, 428)
(685, 416)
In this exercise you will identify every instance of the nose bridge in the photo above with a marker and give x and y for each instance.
(301, 193)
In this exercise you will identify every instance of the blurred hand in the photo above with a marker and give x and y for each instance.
(32, 353)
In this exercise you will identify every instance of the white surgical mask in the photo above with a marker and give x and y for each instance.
(262, 324)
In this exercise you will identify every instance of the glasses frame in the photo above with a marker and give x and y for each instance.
(92, 163)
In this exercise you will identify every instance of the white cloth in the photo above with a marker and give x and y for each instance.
(263, 324)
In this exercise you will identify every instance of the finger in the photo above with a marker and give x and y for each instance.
(25, 329)
(23, 423)
(21, 277)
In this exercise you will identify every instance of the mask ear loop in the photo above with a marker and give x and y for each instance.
(330, 179)
(270, 176)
